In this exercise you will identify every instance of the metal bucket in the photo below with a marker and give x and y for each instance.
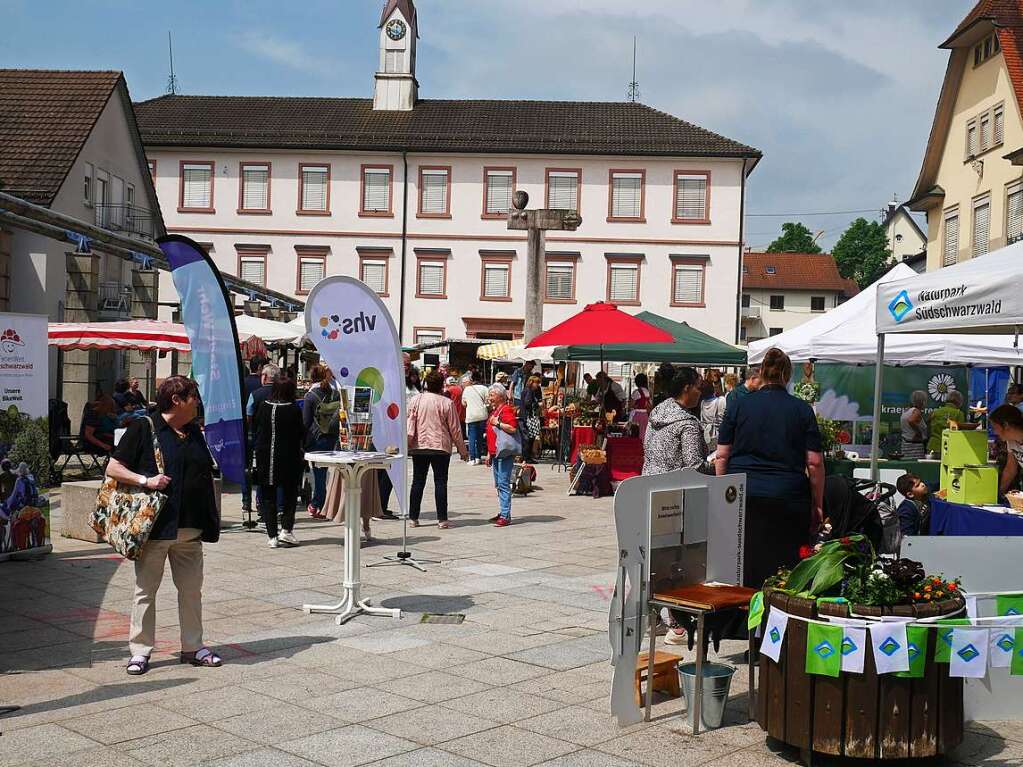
(717, 679)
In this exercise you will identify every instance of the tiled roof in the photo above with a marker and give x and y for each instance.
(45, 118)
(434, 125)
(1003, 13)
(794, 271)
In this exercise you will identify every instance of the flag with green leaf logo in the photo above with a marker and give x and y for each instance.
(943, 642)
(823, 649)
(916, 636)
(1009, 604)
(756, 611)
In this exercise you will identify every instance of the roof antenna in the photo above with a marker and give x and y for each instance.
(633, 91)
(172, 81)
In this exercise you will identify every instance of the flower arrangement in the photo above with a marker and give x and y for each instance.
(848, 567)
(829, 434)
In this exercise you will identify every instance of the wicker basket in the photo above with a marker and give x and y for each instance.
(593, 455)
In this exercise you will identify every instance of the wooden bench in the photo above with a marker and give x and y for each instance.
(665, 674)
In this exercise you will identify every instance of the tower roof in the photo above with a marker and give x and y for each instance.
(408, 10)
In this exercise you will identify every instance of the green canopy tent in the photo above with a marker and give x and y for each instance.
(691, 347)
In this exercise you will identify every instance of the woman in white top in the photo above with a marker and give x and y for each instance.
(712, 412)
(474, 399)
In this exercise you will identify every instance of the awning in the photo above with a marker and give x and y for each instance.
(271, 331)
(143, 335)
(515, 351)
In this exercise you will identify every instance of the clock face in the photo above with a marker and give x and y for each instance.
(396, 29)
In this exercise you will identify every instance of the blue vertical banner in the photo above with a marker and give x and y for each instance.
(216, 358)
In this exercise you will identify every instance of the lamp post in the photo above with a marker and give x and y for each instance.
(536, 222)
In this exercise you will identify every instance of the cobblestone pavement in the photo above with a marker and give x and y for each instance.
(523, 681)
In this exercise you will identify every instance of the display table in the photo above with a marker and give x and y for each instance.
(581, 435)
(353, 466)
(928, 471)
(960, 519)
(624, 457)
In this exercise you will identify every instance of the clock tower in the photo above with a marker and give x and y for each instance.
(396, 87)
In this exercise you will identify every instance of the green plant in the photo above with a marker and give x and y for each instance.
(31, 445)
(829, 433)
(11, 422)
(819, 574)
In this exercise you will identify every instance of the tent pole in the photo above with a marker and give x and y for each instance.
(875, 435)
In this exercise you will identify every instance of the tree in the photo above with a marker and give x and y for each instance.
(795, 238)
(862, 254)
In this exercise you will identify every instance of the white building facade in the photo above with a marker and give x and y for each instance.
(411, 196)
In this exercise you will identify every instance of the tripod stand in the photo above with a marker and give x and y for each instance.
(404, 556)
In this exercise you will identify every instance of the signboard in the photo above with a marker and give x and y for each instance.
(24, 375)
(847, 395)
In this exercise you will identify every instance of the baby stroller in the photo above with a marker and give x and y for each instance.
(862, 507)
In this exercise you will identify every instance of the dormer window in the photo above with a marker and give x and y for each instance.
(985, 49)
(771, 270)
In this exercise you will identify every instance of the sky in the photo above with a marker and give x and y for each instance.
(839, 96)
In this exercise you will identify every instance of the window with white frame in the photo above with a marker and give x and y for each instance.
(985, 49)
(432, 278)
(623, 281)
(626, 194)
(433, 192)
(777, 303)
(1014, 213)
(255, 187)
(392, 61)
(376, 190)
(373, 272)
(985, 131)
(560, 281)
(981, 225)
(498, 184)
(312, 267)
(197, 186)
(496, 278)
(252, 266)
(315, 188)
(87, 183)
(428, 335)
(691, 197)
(563, 189)
(687, 284)
(950, 243)
(816, 303)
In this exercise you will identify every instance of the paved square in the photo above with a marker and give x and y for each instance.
(524, 680)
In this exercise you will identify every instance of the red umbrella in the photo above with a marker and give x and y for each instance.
(601, 323)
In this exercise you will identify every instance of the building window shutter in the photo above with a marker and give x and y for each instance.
(495, 280)
(197, 185)
(253, 270)
(563, 190)
(376, 190)
(626, 195)
(971, 139)
(559, 280)
(255, 180)
(431, 279)
(435, 191)
(950, 254)
(499, 191)
(374, 274)
(1014, 215)
(310, 271)
(428, 336)
(691, 197)
(624, 283)
(314, 188)
(984, 135)
(981, 227)
(688, 287)
(998, 121)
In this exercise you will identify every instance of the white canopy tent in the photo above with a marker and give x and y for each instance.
(981, 295)
(271, 331)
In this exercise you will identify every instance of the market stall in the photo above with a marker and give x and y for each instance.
(143, 335)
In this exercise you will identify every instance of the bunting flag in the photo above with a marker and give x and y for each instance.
(916, 650)
(890, 651)
(1003, 642)
(971, 607)
(774, 634)
(943, 643)
(1009, 604)
(756, 611)
(968, 652)
(823, 649)
(854, 643)
(1016, 667)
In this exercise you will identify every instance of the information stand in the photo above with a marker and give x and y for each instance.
(353, 466)
(682, 528)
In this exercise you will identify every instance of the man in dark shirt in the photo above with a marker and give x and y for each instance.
(254, 379)
(914, 511)
(253, 400)
(750, 384)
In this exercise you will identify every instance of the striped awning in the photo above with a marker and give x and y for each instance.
(500, 350)
(144, 335)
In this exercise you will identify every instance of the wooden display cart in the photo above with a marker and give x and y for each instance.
(869, 716)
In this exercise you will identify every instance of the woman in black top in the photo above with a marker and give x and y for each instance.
(773, 438)
(188, 519)
(280, 459)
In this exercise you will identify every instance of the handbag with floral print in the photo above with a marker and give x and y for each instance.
(125, 514)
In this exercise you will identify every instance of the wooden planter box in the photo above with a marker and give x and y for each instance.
(864, 715)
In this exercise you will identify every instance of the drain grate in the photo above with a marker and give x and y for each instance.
(442, 618)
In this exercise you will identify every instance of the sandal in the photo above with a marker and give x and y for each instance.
(444, 525)
(138, 665)
(202, 657)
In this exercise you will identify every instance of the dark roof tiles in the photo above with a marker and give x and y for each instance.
(434, 125)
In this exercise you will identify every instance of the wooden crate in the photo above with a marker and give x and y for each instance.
(868, 716)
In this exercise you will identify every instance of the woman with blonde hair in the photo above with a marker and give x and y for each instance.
(772, 437)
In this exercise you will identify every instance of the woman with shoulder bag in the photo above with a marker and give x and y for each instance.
(320, 418)
(280, 459)
(188, 518)
(502, 447)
